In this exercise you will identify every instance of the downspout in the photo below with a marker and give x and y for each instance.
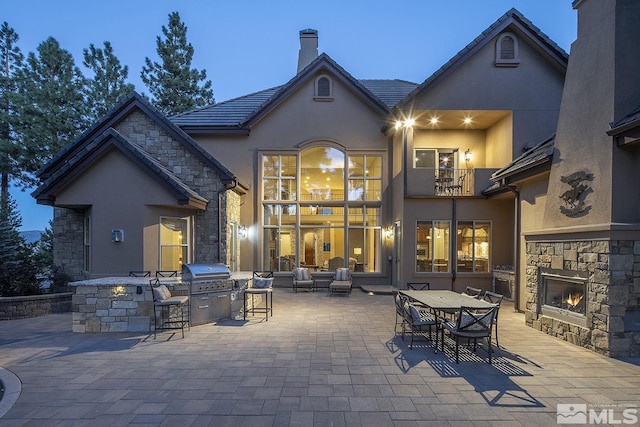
(453, 246)
(517, 248)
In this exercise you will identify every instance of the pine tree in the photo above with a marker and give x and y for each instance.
(17, 272)
(10, 62)
(108, 84)
(52, 106)
(173, 85)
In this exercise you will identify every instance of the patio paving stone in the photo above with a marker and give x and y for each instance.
(320, 360)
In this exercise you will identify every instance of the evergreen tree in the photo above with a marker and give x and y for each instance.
(174, 86)
(109, 84)
(17, 272)
(52, 107)
(10, 62)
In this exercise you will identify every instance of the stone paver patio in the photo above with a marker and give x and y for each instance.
(321, 360)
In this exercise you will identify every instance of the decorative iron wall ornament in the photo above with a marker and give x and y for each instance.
(574, 198)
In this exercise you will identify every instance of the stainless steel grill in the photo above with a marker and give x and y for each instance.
(210, 291)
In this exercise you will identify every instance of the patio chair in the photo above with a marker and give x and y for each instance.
(302, 279)
(457, 188)
(419, 286)
(472, 324)
(341, 281)
(140, 273)
(169, 311)
(472, 292)
(261, 284)
(494, 298)
(399, 300)
(167, 273)
(417, 318)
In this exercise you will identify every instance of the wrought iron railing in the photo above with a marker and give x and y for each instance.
(454, 182)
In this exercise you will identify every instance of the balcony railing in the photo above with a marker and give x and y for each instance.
(454, 182)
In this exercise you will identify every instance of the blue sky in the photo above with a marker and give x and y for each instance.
(248, 45)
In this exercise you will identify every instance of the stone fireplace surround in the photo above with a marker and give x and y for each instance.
(612, 272)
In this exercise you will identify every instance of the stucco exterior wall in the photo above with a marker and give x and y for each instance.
(139, 128)
(118, 193)
(499, 212)
(499, 146)
(346, 121)
(477, 84)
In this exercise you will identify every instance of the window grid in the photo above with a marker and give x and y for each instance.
(323, 213)
(432, 246)
(473, 247)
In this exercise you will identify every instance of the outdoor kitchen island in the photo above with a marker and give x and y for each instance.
(125, 304)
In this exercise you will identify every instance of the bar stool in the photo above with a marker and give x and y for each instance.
(261, 284)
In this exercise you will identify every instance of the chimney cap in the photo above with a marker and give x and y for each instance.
(309, 32)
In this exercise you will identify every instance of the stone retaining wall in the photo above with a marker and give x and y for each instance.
(34, 305)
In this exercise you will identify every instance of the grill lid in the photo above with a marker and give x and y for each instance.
(192, 272)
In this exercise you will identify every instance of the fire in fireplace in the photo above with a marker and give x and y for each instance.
(564, 297)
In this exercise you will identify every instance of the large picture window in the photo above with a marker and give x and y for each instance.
(174, 243)
(432, 246)
(473, 246)
(322, 210)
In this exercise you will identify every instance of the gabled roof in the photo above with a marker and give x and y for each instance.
(112, 139)
(532, 162)
(117, 113)
(239, 114)
(512, 20)
(228, 115)
(389, 91)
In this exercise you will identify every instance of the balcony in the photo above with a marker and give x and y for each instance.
(447, 183)
(453, 182)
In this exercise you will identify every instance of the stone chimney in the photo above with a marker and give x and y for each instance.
(308, 48)
(601, 86)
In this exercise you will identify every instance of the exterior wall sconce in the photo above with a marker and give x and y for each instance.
(242, 232)
(388, 233)
(468, 155)
(117, 235)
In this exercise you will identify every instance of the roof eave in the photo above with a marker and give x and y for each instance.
(217, 130)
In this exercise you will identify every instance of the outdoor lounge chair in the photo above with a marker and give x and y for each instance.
(341, 281)
(302, 279)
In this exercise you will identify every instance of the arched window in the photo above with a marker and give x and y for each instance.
(507, 51)
(322, 208)
(323, 89)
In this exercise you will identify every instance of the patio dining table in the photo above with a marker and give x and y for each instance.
(444, 301)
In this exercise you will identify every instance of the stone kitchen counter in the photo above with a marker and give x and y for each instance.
(123, 304)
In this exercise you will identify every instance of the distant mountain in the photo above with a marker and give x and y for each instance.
(32, 235)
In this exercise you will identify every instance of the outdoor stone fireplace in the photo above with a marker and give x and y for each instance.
(586, 292)
(563, 295)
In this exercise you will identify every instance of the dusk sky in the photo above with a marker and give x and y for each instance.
(247, 46)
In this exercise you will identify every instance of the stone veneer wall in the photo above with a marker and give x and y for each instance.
(141, 130)
(613, 287)
(230, 214)
(116, 308)
(68, 250)
(34, 305)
